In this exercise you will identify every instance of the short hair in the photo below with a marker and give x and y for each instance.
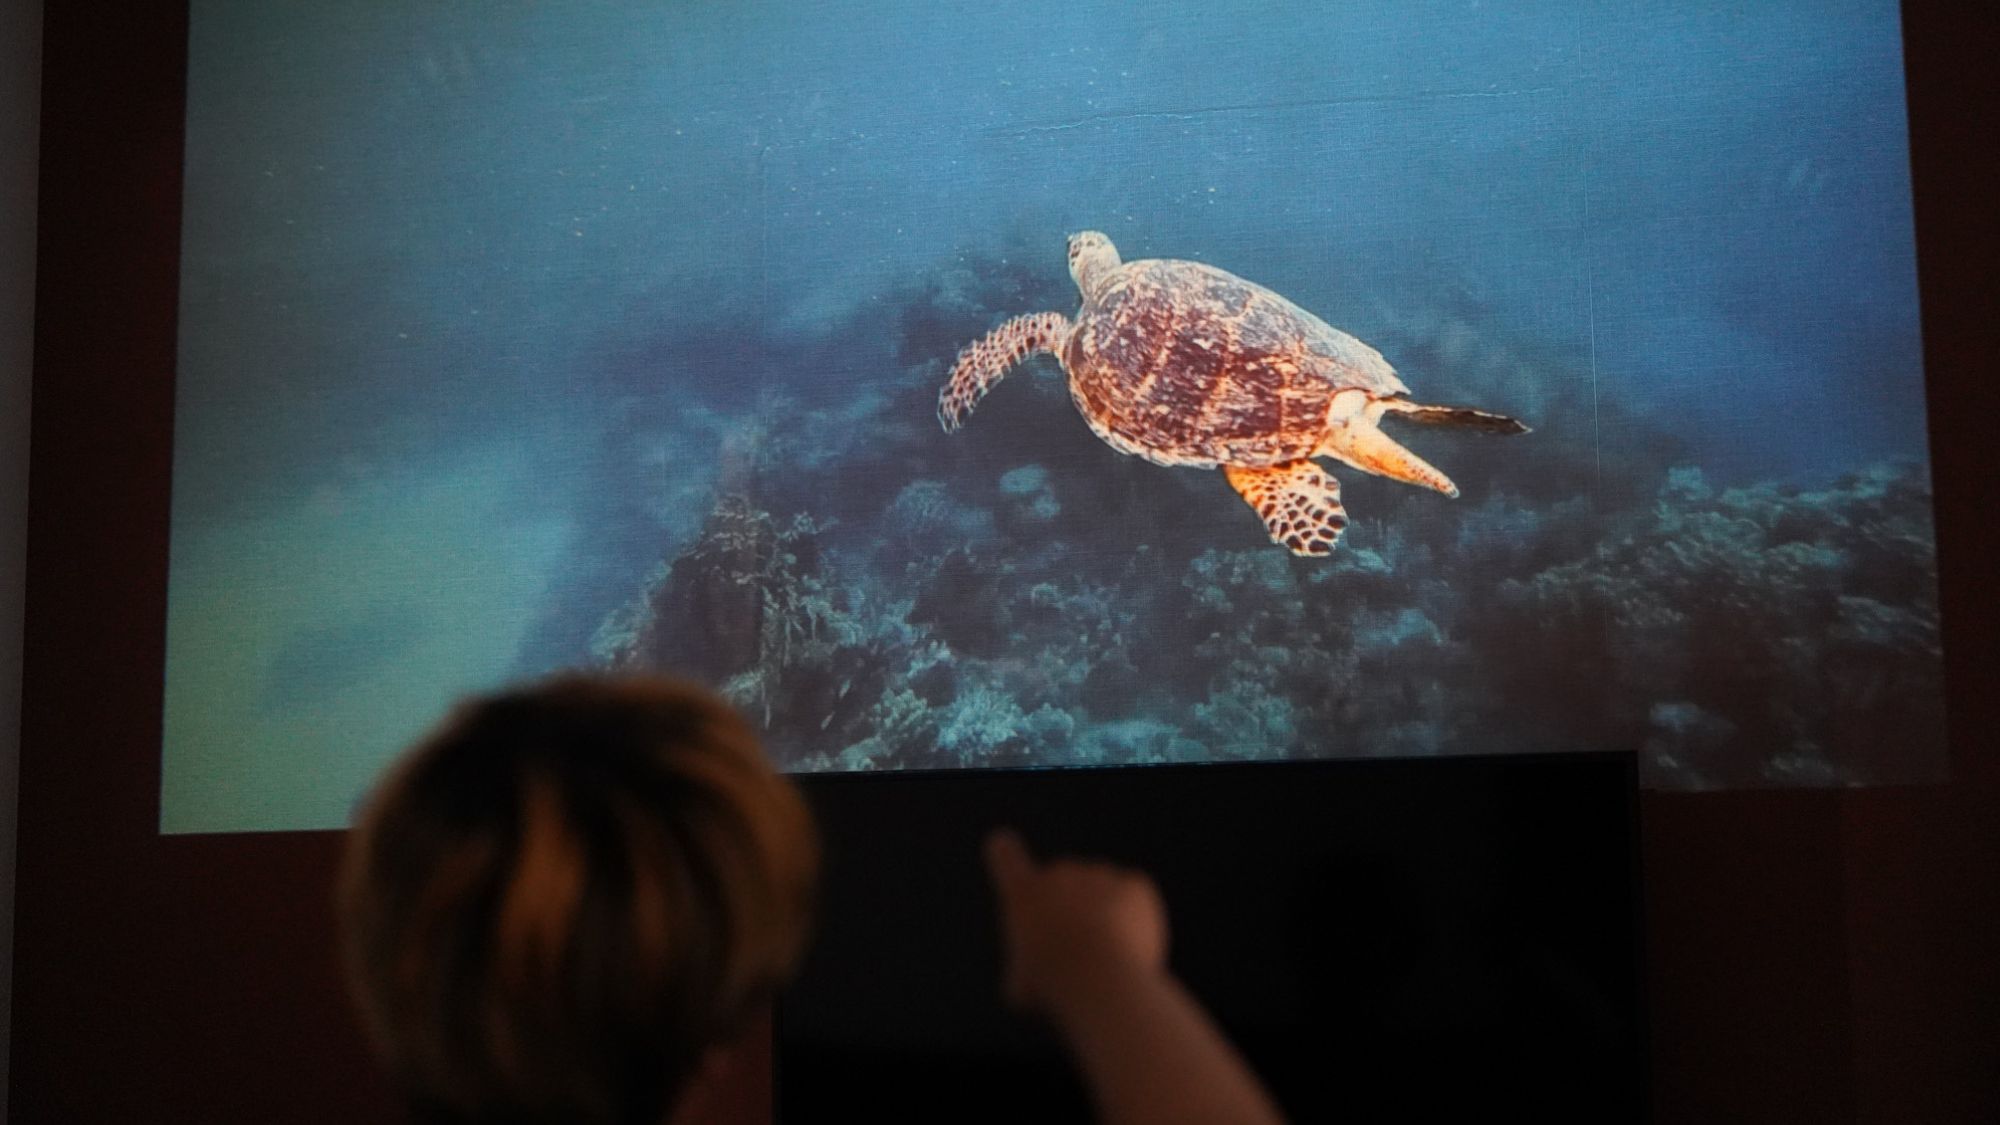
(561, 898)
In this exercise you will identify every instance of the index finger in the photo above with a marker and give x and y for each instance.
(1007, 858)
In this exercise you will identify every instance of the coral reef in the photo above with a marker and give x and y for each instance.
(880, 596)
(1803, 623)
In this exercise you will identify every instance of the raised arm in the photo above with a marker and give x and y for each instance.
(1086, 946)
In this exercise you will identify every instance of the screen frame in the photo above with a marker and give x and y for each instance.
(1815, 955)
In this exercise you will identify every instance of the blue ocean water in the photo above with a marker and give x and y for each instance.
(485, 305)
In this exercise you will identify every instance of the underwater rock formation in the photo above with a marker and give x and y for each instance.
(742, 587)
(748, 606)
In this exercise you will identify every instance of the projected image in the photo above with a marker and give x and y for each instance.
(1053, 385)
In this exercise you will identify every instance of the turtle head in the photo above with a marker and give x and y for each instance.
(1091, 260)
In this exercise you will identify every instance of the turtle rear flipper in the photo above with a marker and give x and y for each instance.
(1298, 501)
(1463, 417)
(982, 364)
(1362, 444)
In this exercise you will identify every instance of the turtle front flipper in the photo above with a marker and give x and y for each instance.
(1299, 503)
(982, 364)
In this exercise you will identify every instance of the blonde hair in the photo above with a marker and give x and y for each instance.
(559, 900)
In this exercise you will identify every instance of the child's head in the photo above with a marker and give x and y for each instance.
(564, 896)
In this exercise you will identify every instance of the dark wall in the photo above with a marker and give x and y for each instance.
(20, 113)
(1812, 956)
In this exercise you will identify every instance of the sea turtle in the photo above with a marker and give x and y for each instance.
(1184, 364)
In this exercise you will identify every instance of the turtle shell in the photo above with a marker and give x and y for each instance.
(1185, 364)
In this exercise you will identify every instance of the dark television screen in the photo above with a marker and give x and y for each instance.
(520, 337)
(1395, 940)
